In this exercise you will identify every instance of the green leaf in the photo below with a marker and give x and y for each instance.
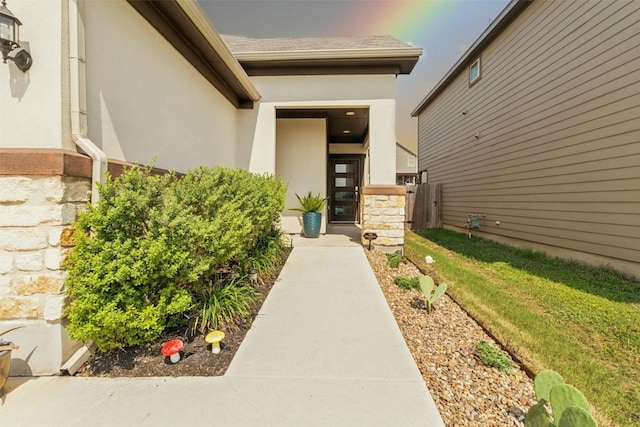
(576, 417)
(426, 286)
(563, 396)
(537, 417)
(440, 290)
(544, 381)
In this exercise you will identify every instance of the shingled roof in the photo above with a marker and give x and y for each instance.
(323, 55)
(241, 44)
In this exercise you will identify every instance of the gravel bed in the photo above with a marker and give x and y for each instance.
(443, 344)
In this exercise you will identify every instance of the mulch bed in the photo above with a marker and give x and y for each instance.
(196, 358)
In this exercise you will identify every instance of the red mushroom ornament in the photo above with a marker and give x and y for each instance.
(171, 349)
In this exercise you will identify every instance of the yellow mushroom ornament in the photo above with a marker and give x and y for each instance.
(214, 338)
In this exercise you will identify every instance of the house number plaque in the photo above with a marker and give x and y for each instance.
(370, 236)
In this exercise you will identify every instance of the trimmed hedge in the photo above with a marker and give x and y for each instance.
(151, 241)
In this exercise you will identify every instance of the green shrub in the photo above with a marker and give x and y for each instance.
(146, 249)
(394, 260)
(492, 356)
(407, 282)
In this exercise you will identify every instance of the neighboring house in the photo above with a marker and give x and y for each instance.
(537, 129)
(406, 165)
(117, 82)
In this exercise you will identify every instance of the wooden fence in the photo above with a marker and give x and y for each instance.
(423, 206)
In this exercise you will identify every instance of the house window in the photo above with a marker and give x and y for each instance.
(474, 72)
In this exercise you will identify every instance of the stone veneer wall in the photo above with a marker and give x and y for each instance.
(41, 193)
(36, 213)
(383, 212)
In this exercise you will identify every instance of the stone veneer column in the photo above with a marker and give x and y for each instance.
(37, 209)
(383, 213)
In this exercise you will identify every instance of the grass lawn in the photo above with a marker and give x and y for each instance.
(551, 313)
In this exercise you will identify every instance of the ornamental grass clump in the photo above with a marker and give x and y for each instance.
(146, 249)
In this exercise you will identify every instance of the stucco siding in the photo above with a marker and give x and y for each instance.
(32, 104)
(301, 161)
(376, 92)
(145, 99)
(548, 140)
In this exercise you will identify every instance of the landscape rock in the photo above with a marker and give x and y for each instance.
(443, 345)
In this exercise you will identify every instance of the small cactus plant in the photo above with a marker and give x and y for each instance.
(569, 406)
(431, 292)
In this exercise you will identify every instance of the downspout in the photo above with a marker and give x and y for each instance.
(78, 95)
(78, 101)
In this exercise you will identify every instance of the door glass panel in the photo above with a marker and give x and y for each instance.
(344, 182)
(344, 167)
(344, 196)
(343, 210)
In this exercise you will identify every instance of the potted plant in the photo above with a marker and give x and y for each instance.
(5, 357)
(311, 207)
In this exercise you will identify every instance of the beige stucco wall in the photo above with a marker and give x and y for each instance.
(256, 147)
(301, 161)
(145, 99)
(32, 103)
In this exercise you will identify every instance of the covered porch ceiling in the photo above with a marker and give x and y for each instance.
(344, 125)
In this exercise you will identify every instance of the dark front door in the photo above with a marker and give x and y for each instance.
(344, 189)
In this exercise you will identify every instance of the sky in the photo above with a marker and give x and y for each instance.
(444, 29)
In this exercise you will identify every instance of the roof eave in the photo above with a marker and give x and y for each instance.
(187, 28)
(329, 54)
(339, 61)
(508, 14)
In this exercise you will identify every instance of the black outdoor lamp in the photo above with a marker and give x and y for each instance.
(9, 37)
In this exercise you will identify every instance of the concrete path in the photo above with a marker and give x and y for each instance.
(324, 351)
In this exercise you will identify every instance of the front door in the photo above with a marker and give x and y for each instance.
(344, 187)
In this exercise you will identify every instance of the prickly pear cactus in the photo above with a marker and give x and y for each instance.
(543, 383)
(437, 294)
(537, 416)
(564, 396)
(570, 407)
(431, 293)
(576, 417)
(426, 285)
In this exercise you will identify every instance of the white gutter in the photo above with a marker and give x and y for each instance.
(78, 94)
(206, 28)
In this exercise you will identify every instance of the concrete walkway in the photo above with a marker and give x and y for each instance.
(324, 351)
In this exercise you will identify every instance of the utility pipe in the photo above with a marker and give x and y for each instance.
(78, 95)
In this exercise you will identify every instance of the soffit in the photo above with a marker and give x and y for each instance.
(337, 122)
